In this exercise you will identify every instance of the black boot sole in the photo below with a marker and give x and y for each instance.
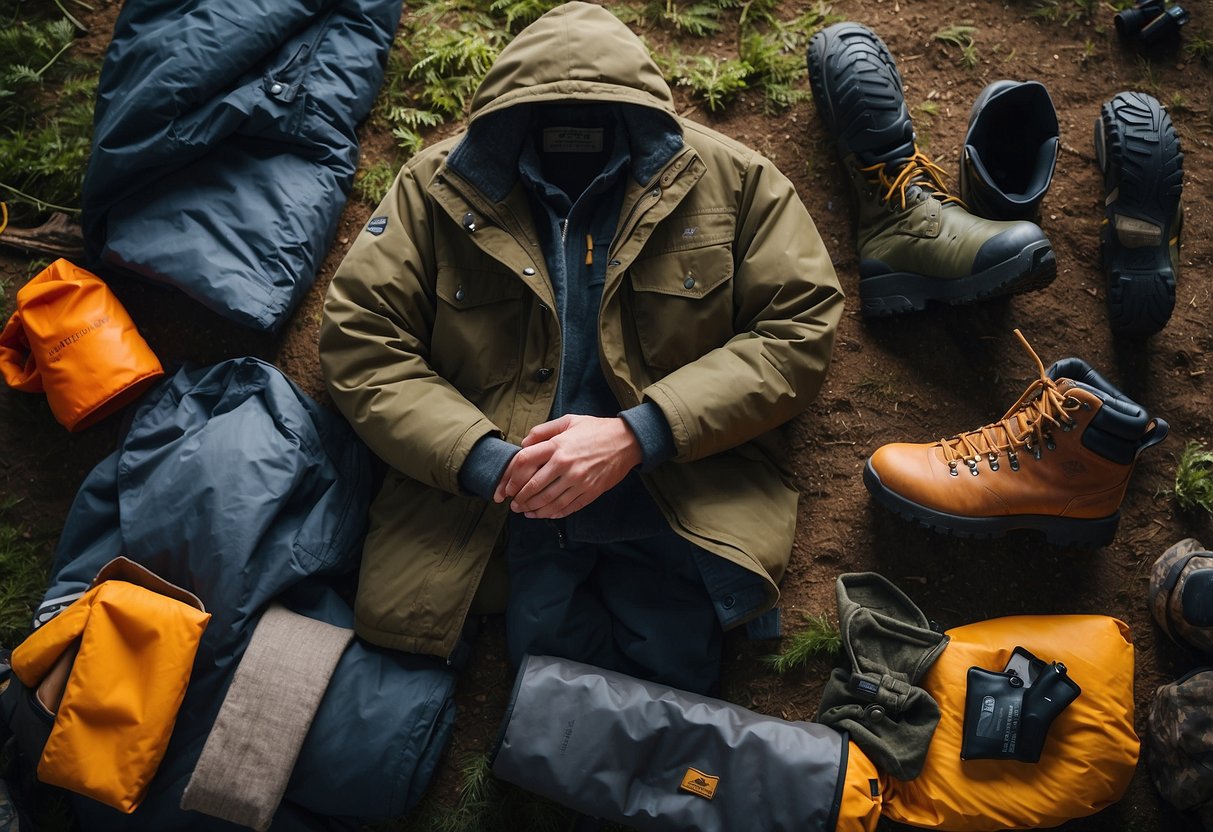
(1138, 152)
(864, 109)
(892, 294)
(1058, 531)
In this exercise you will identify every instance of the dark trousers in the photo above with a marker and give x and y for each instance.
(637, 607)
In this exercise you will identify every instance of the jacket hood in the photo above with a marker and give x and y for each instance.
(577, 53)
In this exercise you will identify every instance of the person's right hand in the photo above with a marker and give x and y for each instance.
(566, 464)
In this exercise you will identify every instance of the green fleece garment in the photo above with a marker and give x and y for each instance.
(890, 645)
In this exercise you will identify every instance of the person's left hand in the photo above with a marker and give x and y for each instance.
(566, 464)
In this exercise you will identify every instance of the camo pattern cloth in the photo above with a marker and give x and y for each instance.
(1179, 743)
(1167, 607)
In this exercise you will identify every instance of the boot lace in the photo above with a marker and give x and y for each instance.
(1026, 426)
(916, 170)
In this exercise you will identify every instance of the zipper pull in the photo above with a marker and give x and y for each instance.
(589, 250)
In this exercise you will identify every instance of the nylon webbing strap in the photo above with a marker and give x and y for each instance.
(252, 747)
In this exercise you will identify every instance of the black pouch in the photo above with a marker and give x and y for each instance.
(1008, 713)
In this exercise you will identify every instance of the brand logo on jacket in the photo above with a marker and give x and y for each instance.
(377, 225)
(696, 782)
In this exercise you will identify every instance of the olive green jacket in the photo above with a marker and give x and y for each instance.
(720, 306)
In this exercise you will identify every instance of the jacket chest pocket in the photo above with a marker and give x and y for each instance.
(683, 304)
(478, 327)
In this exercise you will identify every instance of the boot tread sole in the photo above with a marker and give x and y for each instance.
(1138, 151)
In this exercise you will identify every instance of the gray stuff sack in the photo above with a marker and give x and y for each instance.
(653, 758)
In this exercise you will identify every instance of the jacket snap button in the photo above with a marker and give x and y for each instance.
(873, 713)
(274, 90)
(528, 271)
(459, 293)
(729, 602)
(543, 374)
(689, 283)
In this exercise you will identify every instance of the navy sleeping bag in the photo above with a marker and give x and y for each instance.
(224, 144)
(233, 484)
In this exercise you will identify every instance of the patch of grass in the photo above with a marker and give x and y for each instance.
(928, 108)
(1198, 46)
(770, 60)
(1065, 12)
(698, 19)
(1194, 478)
(485, 804)
(439, 58)
(711, 80)
(445, 47)
(1177, 102)
(372, 182)
(46, 109)
(878, 387)
(962, 36)
(820, 636)
(24, 571)
(1149, 80)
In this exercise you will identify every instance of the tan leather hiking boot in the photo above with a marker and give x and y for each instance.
(1058, 462)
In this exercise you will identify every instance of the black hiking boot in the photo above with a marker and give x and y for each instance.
(917, 243)
(1010, 151)
(1138, 152)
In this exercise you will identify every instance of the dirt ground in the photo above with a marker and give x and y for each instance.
(915, 377)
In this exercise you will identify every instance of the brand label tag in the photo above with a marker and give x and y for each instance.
(696, 782)
(572, 140)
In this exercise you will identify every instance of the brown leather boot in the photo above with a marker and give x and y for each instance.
(1058, 462)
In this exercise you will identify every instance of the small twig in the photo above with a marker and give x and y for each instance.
(54, 58)
(39, 202)
(79, 26)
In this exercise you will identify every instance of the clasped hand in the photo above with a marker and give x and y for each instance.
(566, 464)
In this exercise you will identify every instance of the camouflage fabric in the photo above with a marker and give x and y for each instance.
(1181, 594)
(1179, 743)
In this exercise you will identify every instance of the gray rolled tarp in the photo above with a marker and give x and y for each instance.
(654, 758)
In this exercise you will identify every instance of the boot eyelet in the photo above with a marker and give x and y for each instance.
(1069, 403)
(952, 469)
(993, 459)
(1050, 444)
(1036, 452)
(1013, 458)
(972, 463)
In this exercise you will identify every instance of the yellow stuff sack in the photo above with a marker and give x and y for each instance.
(1089, 755)
(859, 794)
(134, 651)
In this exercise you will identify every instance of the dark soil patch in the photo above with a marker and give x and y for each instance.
(913, 378)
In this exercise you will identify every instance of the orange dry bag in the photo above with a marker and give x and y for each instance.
(131, 650)
(71, 338)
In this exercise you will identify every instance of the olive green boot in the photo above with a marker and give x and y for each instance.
(917, 243)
